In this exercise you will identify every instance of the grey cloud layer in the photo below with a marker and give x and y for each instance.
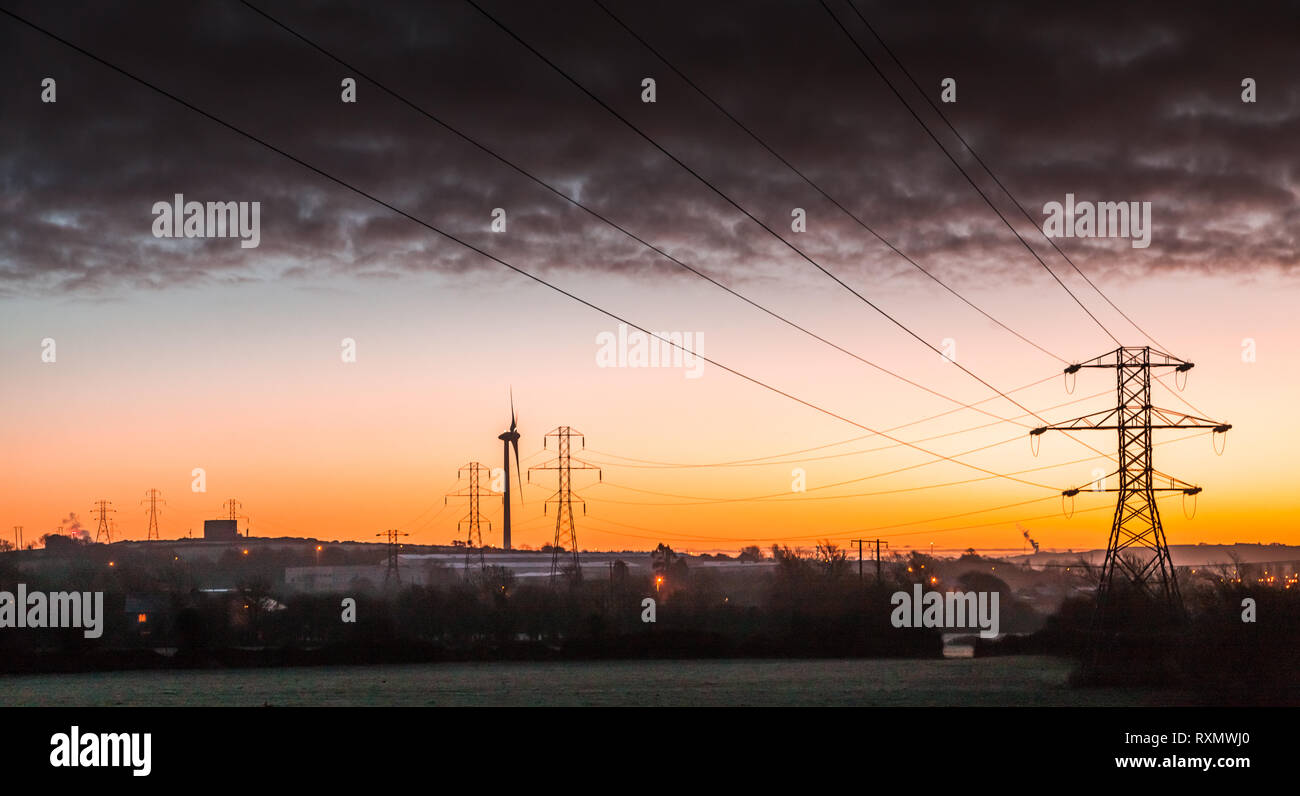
(1109, 102)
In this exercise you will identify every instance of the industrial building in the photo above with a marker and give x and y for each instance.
(220, 530)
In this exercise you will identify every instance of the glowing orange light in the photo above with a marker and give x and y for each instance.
(142, 618)
(111, 564)
(245, 551)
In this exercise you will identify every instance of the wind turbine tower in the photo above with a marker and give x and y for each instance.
(508, 439)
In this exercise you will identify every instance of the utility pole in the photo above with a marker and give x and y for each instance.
(564, 464)
(474, 520)
(102, 508)
(1137, 545)
(877, 543)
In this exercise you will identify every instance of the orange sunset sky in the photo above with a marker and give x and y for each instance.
(250, 386)
(173, 355)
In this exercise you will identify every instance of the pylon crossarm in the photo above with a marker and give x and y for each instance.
(1188, 490)
(1071, 492)
(1175, 484)
(1080, 424)
(1170, 418)
(1116, 358)
(1094, 420)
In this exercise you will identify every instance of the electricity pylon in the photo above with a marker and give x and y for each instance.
(392, 571)
(473, 521)
(1137, 544)
(232, 507)
(153, 497)
(102, 508)
(565, 530)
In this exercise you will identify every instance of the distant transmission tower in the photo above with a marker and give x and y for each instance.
(153, 497)
(102, 508)
(1137, 544)
(18, 537)
(232, 507)
(473, 522)
(392, 572)
(564, 497)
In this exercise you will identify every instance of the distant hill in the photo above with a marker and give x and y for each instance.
(1184, 555)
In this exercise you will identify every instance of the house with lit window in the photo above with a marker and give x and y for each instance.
(145, 613)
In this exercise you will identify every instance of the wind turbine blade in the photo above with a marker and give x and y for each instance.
(512, 408)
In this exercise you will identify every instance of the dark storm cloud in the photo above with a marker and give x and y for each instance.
(1109, 102)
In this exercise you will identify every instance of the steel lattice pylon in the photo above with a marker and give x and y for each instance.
(1137, 545)
(152, 496)
(392, 573)
(565, 530)
(473, 522)
(103, 529)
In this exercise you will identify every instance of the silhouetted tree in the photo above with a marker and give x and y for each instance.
(834, 561)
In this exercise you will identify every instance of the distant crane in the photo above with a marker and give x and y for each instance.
(1025, 533)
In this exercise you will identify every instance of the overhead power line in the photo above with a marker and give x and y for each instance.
(788, 497)
(723, 195)
(488, 255)
(972, 182)
(847, 533)
(925, 95)
(854, 216)
(773, 459)
(605, 219)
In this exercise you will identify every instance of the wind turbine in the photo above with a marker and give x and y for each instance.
(509, 438)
